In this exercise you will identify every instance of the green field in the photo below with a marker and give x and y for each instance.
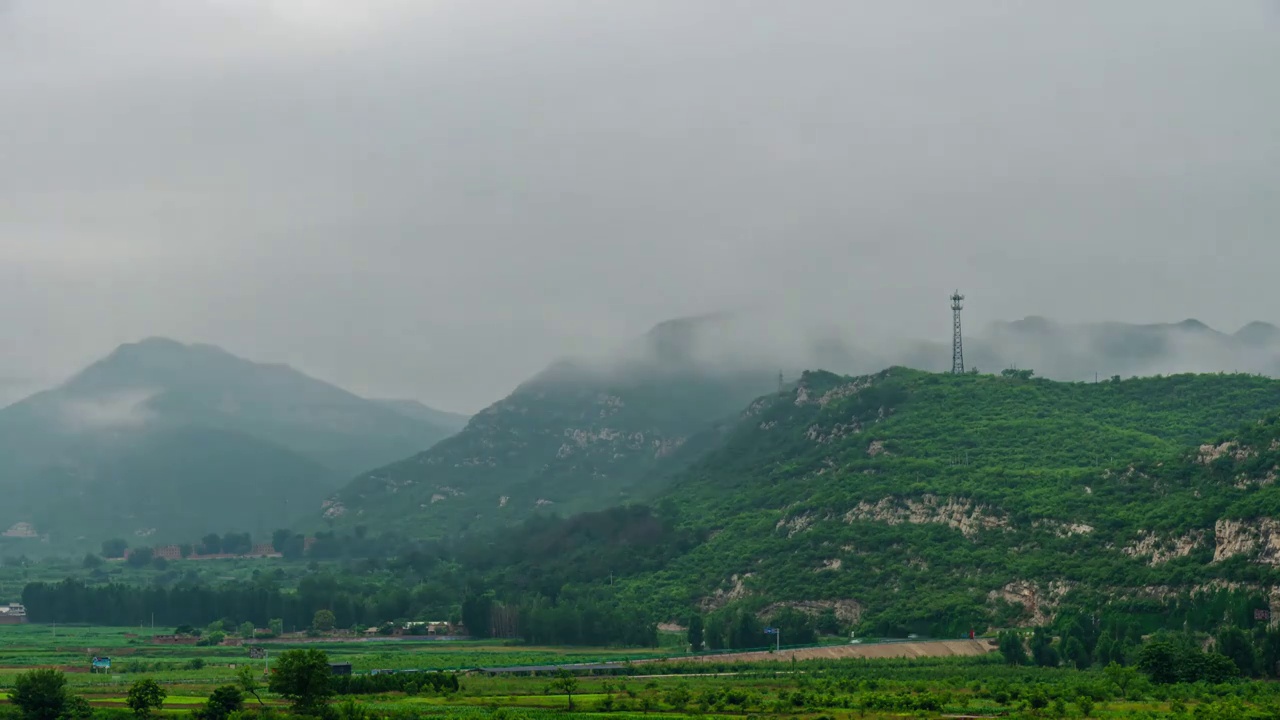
(981, 686)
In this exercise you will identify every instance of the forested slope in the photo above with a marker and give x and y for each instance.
(932, 501)
(897, 502)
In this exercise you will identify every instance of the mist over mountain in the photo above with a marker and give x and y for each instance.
(582, 434)
(592, 432)
(414, 409)
(165, 438)
(794, 342)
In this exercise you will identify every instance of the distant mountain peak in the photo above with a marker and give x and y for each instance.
(1258, 333)
(156, 341)
(1030, 324)
(1193, 325)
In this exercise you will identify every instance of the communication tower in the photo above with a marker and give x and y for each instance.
(957, 346)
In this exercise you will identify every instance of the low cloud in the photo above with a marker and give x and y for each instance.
(125, 410)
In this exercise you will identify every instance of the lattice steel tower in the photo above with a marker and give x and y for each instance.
(957, 347)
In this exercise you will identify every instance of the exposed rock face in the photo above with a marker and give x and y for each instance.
(844, 391)
(796, 524)
(1244, 482)
(1023, 593)
(722, 597)
(830, 565)
(877, 448)
(1247, 537)
(1209, 453)
(847, 611)
(1037, 603)
(1062, 529)
(958, 513)
(837, 431)
(1162, 550)
(21, 530)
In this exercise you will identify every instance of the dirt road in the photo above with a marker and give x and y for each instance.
(934, 648)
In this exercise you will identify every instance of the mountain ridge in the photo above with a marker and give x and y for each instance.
(713, 353)
(308, 434)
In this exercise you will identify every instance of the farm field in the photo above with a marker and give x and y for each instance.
(829, 682)
(70, 648)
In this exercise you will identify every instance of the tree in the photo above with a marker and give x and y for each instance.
(237, 543)
(1085, 703)
(91, 562)
(40, 694)
(566, 683)
(211, 544)
(1233, 643)
(1120, 676)
(224, 701)
(145, 696)
(140, 557)
(288, 543)
(276, 626)
(303, 677)
(246, 630)
(247, 682)
(114, 548)
(1011, 648)
(323, 620)
(1073, 650)
(796, 627)
(77, 709)
(1108, 651)
(678, 697)
(695, 632)
(1042, 650)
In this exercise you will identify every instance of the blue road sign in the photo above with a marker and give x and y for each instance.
(771, 631)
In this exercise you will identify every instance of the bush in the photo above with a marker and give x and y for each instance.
(145, 697)
(40, 694)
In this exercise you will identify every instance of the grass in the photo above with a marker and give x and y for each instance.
(864, 689)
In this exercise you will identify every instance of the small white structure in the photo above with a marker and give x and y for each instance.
(12, 614)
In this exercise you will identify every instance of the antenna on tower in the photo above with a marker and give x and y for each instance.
(957, 346)
(780, 383)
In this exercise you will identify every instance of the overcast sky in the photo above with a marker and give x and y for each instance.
(434, 199)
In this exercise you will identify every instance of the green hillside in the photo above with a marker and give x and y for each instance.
(892, 503)
(179, 484)
(166, 441)
(570, 440)
(895, 503)
(922, 500)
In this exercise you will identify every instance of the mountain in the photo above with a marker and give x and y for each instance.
(584, 435)
(576, 437)
(137, 432)
(1081, 351)
(899, 502)
(928, 503)
(452, 422)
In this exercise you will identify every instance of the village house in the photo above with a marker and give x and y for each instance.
(12, 614)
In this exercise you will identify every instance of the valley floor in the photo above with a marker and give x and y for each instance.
(904, 679)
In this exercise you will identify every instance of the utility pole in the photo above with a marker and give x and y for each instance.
(957, 346)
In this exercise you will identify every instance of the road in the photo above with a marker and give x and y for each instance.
(928, 648)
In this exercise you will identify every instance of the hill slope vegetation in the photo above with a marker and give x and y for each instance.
(932, 501)
(158, 430)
